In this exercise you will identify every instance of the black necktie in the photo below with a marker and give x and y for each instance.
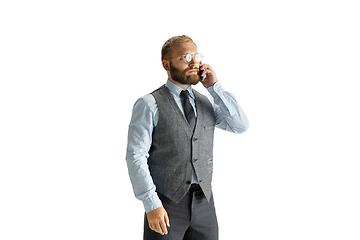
(188, 109)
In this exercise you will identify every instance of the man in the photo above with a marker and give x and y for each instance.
(170, 146)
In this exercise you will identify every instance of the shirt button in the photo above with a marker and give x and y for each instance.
(195, 159)
(188, 182)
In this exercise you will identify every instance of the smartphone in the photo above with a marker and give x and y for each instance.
(202, 77)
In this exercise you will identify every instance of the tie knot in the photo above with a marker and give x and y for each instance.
(184, 94)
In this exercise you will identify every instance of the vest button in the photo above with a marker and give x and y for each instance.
(195, 159)
(188, 182)
(194, 139)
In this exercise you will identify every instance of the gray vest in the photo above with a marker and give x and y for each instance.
(177, 151)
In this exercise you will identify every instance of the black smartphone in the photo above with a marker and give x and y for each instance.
(201, 77)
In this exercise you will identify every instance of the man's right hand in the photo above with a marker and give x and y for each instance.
(158, 220)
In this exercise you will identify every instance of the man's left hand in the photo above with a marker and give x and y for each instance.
(210, 79)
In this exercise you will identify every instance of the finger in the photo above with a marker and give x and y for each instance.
(157, 228)
(205, 66)
(151, 227)
(167, 221)
(163, 228)
(207, 72)
(160, 227)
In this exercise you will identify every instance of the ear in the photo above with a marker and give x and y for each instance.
(166, 65)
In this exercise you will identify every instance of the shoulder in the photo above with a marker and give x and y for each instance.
(146, 102)
(161, 93)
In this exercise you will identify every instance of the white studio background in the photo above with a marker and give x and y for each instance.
(71, 71)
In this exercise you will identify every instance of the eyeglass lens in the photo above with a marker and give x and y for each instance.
(198, 57)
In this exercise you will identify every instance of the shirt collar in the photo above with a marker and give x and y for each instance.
(176, 90)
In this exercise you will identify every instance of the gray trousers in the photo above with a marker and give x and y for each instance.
(193, 218)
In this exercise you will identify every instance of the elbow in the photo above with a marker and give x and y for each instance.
(236, 125)
(243, 128)
(247, 125)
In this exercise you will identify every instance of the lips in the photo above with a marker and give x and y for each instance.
(193, 71)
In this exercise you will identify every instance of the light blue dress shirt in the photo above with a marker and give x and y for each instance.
(228, 116)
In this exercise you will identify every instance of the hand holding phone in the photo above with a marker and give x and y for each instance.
(209, 74)
(201, 77)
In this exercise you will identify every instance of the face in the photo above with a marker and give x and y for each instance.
(181, 71)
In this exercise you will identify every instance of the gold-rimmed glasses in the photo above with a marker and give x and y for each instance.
(188, 57)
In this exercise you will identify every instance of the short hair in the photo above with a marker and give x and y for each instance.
(166, 49)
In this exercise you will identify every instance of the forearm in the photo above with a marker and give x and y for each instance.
(228, 113)
(142, 183)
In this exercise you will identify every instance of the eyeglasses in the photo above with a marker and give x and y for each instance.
(188, 57)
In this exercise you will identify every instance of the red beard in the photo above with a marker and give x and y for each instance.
(181, 76)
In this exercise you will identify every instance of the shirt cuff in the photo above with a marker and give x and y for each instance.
(152, 203)
(216, 89)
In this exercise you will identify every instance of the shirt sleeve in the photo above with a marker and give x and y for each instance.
(228, 114)
(139, 142)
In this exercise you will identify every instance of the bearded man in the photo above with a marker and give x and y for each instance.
(170, 146)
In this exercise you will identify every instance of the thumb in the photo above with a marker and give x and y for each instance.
(167, 221)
